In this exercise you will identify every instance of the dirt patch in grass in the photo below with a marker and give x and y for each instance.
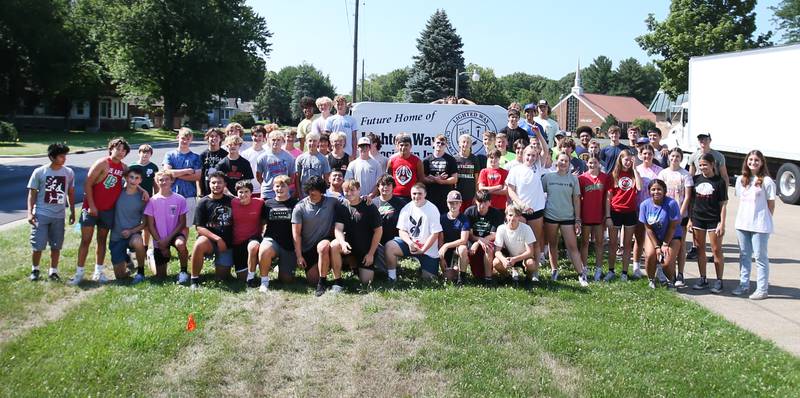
(288, 344)
(42, 312)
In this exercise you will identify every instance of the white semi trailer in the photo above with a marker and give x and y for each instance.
(747, 100)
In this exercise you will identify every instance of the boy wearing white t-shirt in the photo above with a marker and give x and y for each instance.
(419, 228)
(514, 247)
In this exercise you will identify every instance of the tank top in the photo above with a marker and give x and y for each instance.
(404, 172)
(106, 192)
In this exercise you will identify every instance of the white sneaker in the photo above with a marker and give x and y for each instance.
(582, 281)
(336, 289)
(651, 284)
(610, 276)
(77, 278)
(263, 288)
(554, 275)
(183, 278)
(623, 277)
(661, 276)
(598, 274)
(515, 275)
(757, 295)
(99, 276)
(637, 273)
(535, 277)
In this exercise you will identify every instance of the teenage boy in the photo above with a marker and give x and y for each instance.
(128, 225)
(405, 168)
(358, 233)
(278, 240)
(344, 123)
(335, 182)
(502, 146)
(324, 104)
(211, 157)
(233, 166)
(147, 170)
(214, 223)
(291, 138)
(374, 151)
(544, 119)
(304, 128)
(585, 135)
(312, 222)
(248, 226)
(185, 167)
(365, 170)
(311, 163)
(324, 146)
(660, 151)
(338, 159)
(389, 207)
(101, 189)
(704, 139)
(609, 154)
(514, 247)
(441, 173)
(419, 229)
(258, 133)
(166, 215)
(468, 169)
(492, 179)
(483, 221)
(274, 163)
(489, 139)
(529, 124)
(51, 189)
(454, 239)
(512, 130)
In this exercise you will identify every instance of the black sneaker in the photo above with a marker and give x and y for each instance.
(320, 289)
(391, 284)
(253, 283)
(54, 277)
(34, 275)
(692, 254)
(701, 284)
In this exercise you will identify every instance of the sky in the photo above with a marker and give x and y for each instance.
(532, 37)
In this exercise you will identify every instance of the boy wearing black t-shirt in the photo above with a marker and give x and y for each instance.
(483, 220)
(358, 231)
(453, 239)
(214, 222)
(441, 173)
(234, 167)
(278, 240)
(209, 158)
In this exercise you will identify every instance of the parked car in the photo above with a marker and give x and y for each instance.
(139, 122)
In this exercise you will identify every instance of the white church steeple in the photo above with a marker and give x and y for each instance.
(576, 88)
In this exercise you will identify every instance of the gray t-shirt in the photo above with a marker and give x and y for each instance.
(270, 166)
(719, 159)
(317, 220)
(309, 165)
(128, 213)
(560, 190)
(366, 172)
(52, 187)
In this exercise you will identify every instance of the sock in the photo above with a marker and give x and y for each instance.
(251, 275)
(611, 270)
(195, 280)
(184, 268)
(462, 275)
(53, 271)
(322, 281)
(34, 267)
(636, 265)
(392, 274)
(265, 280)
(337, 281)
(140, 270)
(625, 273)
(98, 268)
(79, 269)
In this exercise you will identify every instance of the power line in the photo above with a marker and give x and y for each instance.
(347, 14)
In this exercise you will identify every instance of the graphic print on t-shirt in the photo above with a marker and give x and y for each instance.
(625, 183)
(403, 175)
(704, 190)
(220, 218)
(54, 189)
(173, 210)
(110, 181)
(415, 226)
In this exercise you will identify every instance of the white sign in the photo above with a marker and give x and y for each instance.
(425, 121)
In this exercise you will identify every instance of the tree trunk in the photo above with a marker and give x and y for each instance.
(169, 113)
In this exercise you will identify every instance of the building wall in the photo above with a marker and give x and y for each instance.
(585, 116)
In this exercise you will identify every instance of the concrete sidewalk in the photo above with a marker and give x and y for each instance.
(778, 317)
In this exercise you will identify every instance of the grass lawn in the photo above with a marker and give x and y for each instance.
(33, 143)
(618, 339)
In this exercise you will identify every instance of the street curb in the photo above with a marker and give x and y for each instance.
(160, 144)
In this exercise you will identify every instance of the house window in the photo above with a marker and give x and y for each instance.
(124, 110)
(79, 108)
(104, 105)
(572, 113)
(114, 108)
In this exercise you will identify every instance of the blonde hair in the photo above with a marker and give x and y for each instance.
(351, 183)
(234, 126)
(323, 100)
(278, 135)
(185, 131)
(233, 140)
(281, 180)
(337, 135)
(167, 173)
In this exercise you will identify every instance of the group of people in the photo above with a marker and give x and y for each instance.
(322, 198)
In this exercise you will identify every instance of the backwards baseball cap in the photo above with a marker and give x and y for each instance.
(529, 107)
(364, 141)
(642, 141)
(561, 133)
(704, 135)
(454, 196)
(543, 102)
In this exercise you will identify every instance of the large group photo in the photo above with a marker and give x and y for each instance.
(438, 230)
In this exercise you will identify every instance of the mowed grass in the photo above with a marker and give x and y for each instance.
(35, 143)
(417, 340)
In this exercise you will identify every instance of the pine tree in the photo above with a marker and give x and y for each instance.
(598, 78)
(440, 55)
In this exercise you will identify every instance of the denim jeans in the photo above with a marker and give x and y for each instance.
(753, 243)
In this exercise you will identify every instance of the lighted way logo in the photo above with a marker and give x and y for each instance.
(473, 123)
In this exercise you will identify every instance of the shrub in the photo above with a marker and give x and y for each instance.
(244, 118)
(644, 125)
(8, 133)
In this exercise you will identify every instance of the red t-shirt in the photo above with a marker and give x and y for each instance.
(623, 193)
(404, 172)
(246, 219)
(593, 197)
(491, 177)
(106, 192)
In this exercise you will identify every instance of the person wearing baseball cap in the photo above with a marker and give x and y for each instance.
(529, 125)
(365, 170)
(453, 258)
(704, 139)
(543, 118)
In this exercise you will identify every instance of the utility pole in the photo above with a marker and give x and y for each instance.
(355, 53)
(362, 78)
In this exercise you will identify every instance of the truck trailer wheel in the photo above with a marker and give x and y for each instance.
(788, 176)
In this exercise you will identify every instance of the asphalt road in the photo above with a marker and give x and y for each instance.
(15, 172)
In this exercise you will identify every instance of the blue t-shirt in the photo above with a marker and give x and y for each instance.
(659, 217)
(451, 229)
(609, 155)
(176, 161)
(270, 166)
(527, 127)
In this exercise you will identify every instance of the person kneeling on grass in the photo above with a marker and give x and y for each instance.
(248, 225)
(419, 228)
(453, 240)
(312, 222)
(661, 217)
(214, 223)
(166, 220)
(278, 240)
(358, 231)
(483, 222)
(514, 247)
(128, 226)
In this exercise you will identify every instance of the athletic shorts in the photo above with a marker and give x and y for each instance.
(518, 264)
(476, 263)
(624, 219)
(311, 257)
(287, 261)
(221, 258)
(48, 230)
(704, 225)
(240, 253)
(191, 206)
(357, 259)
(533, 216)
(104, 219)
(685, 221)
(427, 263)
(564, 222)
(119, 249)
(159, 258)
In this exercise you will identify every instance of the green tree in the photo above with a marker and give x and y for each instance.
(183, 51)
(598, 78)
(611, 120)
(440, 55)
(637, 81)
(644, 125)
(787, 19)
(387, 87)
(698, 27)
(272, 99)
(313, 83)
(487, 90)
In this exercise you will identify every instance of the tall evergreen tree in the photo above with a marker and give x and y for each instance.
(440, 55)
(637, 81)
(787, 19)
(598, 78)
